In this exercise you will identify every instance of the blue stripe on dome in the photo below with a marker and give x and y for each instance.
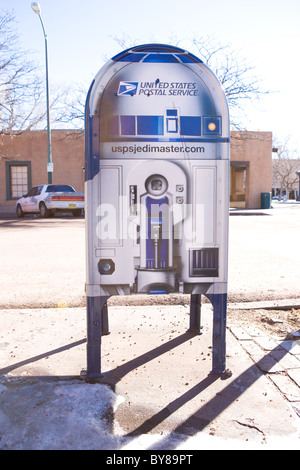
(131, 57)
(161, 58)
(156, 53)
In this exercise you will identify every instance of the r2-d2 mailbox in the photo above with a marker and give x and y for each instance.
(157, 187)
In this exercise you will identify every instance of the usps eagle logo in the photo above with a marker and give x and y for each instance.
(127, 88)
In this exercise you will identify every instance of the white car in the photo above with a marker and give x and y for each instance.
(47, 199)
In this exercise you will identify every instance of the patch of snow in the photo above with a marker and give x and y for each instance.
(75, 415)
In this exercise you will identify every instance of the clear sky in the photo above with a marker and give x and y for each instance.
(266, 32)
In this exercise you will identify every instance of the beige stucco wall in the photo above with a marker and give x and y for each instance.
(255, 148)
(67, 156)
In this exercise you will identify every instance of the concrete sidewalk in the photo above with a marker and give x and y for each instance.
(160, 392)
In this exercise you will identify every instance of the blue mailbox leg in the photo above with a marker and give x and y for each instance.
(104, 319)
(219, 302)
(195, 313)
(95, 318)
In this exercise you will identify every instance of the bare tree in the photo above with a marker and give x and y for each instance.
(22, 85)
(73, 107)
(235, 73)
(237, 76)
(285, 178)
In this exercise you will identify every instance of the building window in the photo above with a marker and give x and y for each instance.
(18, 179)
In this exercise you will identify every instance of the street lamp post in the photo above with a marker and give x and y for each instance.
(37, 9)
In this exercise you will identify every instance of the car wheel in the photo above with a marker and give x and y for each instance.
(43, 210)
(77, 213)
(19, 211)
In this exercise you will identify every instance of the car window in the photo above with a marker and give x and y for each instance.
(31, 192)
(60, 188)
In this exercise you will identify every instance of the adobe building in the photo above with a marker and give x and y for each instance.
(250, 168)
(23, 164)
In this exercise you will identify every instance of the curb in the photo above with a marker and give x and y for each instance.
(282, 304)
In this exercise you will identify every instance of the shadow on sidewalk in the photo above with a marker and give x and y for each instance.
(194, 423)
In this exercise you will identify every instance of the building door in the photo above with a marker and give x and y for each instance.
(239, 184)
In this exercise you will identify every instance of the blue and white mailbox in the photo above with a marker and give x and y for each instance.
(157, 187)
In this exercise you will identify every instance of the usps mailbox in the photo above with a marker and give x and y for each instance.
(157, 187)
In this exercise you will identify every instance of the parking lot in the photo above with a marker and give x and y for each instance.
(43, 260)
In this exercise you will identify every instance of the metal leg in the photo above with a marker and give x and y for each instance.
(195, 313)
(94, 330)
(104, 318)
(219, 302)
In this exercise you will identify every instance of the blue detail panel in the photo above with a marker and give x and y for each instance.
(113, 125)
(212, 125)
(157, 210)
(157, 292)
(189, 58)
(130, 128)
(128, 125)
(161, 58)
(150, 125)
(172, 112)
(190, 125)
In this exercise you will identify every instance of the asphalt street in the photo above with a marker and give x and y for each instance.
(43, 260)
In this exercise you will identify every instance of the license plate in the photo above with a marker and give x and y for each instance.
(72, 206)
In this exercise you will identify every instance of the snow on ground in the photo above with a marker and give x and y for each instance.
(74, 415)
(60, 415)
